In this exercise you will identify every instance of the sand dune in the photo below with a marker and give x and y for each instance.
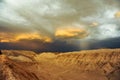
(102, 64)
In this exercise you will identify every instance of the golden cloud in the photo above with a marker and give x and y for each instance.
(10, 37)
(6, 37)
(71, 32)
(117, 14)
(31, 36)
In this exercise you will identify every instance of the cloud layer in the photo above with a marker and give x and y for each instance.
(67, 21)
(70, 32)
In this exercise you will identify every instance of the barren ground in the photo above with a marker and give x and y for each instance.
(102, 64)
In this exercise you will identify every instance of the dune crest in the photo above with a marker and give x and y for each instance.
(102, 64)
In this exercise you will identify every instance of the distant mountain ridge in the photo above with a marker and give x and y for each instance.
(101, 64)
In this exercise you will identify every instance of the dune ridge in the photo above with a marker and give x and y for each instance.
(101, 64)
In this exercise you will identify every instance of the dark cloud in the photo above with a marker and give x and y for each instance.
(39, 46)
(60, 45)
(108, 43)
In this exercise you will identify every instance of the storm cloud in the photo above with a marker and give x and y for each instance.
(40, 46)
(58, 25)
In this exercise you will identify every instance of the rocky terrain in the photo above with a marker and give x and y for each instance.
(102, 64)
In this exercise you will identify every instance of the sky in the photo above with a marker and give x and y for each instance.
(59, 25)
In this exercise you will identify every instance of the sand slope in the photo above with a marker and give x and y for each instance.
(102, 64)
